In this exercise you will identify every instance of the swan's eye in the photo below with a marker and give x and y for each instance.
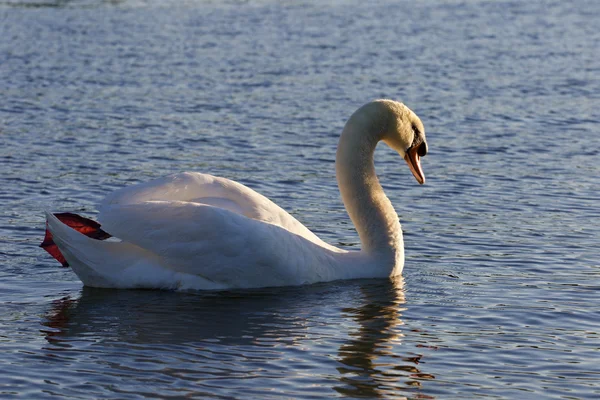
(415, 130)
(422, 151)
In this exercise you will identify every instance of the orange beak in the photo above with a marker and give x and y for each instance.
(413, 160)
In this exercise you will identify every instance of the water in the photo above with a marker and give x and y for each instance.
(501, 286)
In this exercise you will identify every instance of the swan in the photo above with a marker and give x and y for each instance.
(196, 231)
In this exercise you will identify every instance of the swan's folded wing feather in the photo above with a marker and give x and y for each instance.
(216, 244)
(185, 186)
(207, 189)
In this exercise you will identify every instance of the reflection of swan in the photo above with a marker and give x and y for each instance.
(371, 368)
(197, 231)
(157, 317)
(344, 335)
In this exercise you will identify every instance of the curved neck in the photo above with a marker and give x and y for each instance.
(369, 208)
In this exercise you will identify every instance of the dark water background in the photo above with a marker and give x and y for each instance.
(500, 296)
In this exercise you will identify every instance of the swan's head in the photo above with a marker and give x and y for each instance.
(404, 133)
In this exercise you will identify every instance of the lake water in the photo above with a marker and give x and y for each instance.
(501, 291)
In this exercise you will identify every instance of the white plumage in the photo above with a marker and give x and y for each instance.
(197, 231)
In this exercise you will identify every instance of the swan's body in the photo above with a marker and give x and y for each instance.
(193, 230)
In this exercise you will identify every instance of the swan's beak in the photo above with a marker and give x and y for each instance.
(413, 159)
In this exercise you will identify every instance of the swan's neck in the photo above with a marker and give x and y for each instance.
(369, 208)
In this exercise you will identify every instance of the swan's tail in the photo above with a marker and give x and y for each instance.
(82, 253)
(83, 225)
(97, 263)
(106, 263)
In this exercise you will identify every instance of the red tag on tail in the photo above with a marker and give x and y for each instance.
(88, 227)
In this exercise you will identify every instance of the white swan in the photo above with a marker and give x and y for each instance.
(197, 231)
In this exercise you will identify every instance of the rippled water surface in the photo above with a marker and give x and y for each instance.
(500, 294)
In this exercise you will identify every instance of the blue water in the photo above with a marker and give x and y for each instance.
(501, 290)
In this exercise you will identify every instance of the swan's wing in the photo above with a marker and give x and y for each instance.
(219, 245)
(210, 190)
